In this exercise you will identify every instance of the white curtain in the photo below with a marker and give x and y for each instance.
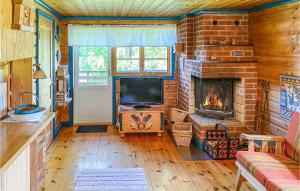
(118, 36)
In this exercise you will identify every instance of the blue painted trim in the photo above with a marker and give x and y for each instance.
(62, 125)
(95, 18)
(199, 145)
(37, 51)
(234, 11)
(48, 8)
(40, 13)
(114, 100)
(219, 11)
(271, 5)
(71, 71)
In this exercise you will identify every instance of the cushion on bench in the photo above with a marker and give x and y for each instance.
(264, 166)
(292, 139)
(282, 185)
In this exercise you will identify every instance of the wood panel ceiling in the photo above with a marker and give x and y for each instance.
(146, 8)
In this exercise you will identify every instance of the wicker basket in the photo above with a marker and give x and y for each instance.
(182, 132)
(177, 115)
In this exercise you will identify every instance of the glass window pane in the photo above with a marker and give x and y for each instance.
(156, 65)
(156, 52)
(93, 66)
(128, 66)
(128, 52)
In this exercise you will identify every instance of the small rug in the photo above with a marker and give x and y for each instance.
(92, 129)
(123, 179)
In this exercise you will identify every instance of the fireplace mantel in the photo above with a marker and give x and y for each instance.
(222, 69)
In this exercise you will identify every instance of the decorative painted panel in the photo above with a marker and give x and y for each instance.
(141, 121)
(289, 95)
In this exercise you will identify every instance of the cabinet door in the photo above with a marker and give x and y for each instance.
(17, 176)
(37, 161)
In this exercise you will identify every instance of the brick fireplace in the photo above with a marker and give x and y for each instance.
(217, 47)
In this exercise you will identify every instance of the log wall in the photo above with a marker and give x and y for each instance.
(271, 32)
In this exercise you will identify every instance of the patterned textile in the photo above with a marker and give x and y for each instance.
(289, 95)
(219, 145)
(264, 166)
(292, 140)
(282, 185)
(123, 179)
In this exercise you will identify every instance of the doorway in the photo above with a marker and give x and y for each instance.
(92, 85)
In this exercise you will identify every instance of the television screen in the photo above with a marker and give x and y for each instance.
(141, 91)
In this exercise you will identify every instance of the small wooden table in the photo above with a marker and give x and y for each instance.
(148, 120)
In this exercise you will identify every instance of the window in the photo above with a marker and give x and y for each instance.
(93, 66)
(128, 59)
(141, 60)
(156, 59)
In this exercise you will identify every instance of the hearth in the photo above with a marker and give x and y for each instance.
(214, 97)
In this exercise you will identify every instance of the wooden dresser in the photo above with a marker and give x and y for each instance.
(22, 154)
(149, 120)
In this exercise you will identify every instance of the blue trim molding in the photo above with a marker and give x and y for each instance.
(48, 8)
(219, 11)
(37, 51)
(71, 72)
(271, 5)
(198, 12)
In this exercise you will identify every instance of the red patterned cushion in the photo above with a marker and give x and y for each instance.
(265, 166)
(282, 185)
(292, 140)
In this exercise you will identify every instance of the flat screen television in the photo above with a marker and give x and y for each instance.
(141, 91)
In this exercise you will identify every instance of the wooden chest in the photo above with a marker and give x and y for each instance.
(150, 120)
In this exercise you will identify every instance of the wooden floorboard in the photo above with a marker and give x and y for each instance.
(164, 168)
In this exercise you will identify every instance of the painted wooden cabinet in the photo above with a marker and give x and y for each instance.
(23, 154)
(149, 120)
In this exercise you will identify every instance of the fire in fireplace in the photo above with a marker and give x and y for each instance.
(214, 97)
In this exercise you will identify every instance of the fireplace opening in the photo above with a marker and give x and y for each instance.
(214, 97)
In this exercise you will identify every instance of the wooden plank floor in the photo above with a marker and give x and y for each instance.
(157, 155)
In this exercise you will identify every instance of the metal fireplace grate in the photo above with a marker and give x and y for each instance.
(214, 97)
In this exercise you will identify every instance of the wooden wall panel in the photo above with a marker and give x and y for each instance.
(16, 44)
(21, 81)
(5, 13)
(269, 33)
